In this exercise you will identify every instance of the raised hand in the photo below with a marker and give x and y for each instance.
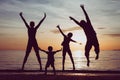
(70, 17)
(82, 6)
(44, 14)
(58, 26)
(80, 43)
(20, 13)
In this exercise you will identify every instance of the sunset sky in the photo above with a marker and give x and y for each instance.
(104, 15)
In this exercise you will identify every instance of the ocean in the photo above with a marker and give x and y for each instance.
(108, 61)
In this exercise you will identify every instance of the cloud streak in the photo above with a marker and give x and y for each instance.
(101, 28)
(11, 27)
(112, 35)
(66, 30)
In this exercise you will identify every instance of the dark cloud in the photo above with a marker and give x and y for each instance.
(8, 1)
(101, 28)
(35, 1)
(116, 0)
(113, 35)
(12, 27)
(3, 1)
(2, 34)
(66, 30)
(25, 1)
(112, 8)
(53, 3)
(111, 12)
(5, 34)
(43, 1)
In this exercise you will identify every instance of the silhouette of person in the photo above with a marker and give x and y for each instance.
(90, 34)
(32, 42)
(66, 47)
(50, 58)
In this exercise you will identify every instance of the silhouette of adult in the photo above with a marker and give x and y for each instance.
(32, 42)
(90, 34)
(66, 47)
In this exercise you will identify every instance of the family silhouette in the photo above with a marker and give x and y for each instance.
(32, 42)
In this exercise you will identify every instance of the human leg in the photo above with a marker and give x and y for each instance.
(47, 65)
(38, 56)
(29, 47)
(70, 54)
(52, 64)
(87, 50)
(97, 49)
(63, 61)
(45, 69)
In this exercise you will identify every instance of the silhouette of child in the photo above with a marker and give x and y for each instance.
(50, 58)
(90, 35)
(66, 47)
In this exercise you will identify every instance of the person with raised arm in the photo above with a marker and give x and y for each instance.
(66, 47)
(90, 35)
(32, 42)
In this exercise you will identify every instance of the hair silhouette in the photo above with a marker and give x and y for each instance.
(66, 47)
(90, 35)
(50, 60)
(32, 42)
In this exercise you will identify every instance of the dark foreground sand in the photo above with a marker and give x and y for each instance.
(67, 75)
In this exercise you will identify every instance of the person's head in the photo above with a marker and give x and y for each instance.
(32, 24)
(82, 22)
(70, 35)
(50, 48)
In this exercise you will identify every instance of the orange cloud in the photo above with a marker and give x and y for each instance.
(66, 30)
(113, 35)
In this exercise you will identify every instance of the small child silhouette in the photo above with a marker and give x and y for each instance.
(50, 58)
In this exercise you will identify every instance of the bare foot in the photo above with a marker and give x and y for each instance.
(97, 56)
(88, 63)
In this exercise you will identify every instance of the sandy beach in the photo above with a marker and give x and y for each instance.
(66, 75)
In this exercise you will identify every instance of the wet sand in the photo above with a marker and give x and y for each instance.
(66, 75)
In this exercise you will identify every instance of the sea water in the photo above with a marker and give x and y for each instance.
(13, 59)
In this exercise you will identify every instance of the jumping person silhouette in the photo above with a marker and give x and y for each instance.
(90, 34)
(32, 42)
(50, 60)
(66, 47)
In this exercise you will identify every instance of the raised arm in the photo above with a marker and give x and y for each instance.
(75, 41)
(74, 20)
(42, 50)
(60, 30)
(58, 50)
(41, 21)
(86, 15)
(24, 20)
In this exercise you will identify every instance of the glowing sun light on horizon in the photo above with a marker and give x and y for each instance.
(79, 36)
